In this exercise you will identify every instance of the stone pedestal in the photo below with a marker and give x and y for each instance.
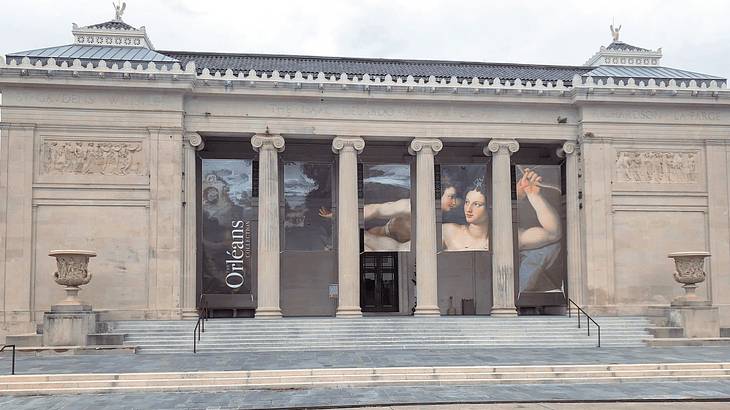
(68, 328)
(696, 318)
(70, 322)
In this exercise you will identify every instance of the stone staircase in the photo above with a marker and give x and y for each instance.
(379, 333)
(50, 384)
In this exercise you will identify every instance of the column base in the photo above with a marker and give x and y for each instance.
(190, 313)
(503, 312)
(426, 311)
(268, 313)
(349, 311)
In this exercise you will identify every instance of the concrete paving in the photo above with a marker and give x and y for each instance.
(371, 358)
(529, 397)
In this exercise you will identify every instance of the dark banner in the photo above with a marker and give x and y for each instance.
(307, 206)
(540, 232)
(226, 226)
(387, 207)
(464, 210)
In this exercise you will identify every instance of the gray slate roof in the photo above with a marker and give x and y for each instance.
(289, 64)
(657, 73)
(620, 45)
(93, 53)
(374, 66)
(112, 24)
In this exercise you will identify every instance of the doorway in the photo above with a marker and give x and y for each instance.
(379, 282)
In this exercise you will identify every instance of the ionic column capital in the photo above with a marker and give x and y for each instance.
(419, 144)
(502, 146)
(267, 141)
(341, 143)
(568, 148)
(195, 140)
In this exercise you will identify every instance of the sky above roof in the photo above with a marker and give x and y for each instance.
(561, 32)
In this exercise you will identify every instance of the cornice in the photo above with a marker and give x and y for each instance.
(275, 83)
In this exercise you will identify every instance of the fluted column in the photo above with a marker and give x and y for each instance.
(190, 268)
(268, 147)
(348, 235)
(503, 270)
(572, 216)
(426, 262)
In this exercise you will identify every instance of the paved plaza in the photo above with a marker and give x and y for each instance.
(388, 396)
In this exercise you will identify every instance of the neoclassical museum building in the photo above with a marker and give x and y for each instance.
(270, 186)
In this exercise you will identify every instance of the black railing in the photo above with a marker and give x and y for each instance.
(203, 315)
(588, 319)
(12, 368)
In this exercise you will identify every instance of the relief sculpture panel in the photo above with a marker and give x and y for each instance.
(92, 157)
(656, 167)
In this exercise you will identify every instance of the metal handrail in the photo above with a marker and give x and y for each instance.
(12, 369)
(588, 320)
(203, 315)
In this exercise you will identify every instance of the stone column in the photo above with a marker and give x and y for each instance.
(503, 271)
(192, 144)
(572, 216)
(426, 263)
(268, 147)
(348, 233)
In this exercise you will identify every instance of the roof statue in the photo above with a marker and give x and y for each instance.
(614, 32)
(119, 10)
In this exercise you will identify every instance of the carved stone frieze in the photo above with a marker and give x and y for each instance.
(92, 157)
(656, 167)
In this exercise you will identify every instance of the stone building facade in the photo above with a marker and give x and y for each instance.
(105, 144)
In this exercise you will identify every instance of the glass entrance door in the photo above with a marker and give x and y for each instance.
(379, 282)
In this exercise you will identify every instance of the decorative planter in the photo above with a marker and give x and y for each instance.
(72, 272)
(689, 271)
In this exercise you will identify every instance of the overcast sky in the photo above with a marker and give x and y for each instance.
(693, 35)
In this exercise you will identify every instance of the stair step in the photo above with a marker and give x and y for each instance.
(298, 334)
(358, 377)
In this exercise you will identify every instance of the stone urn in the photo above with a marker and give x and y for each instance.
(689, 272)
(72, 272)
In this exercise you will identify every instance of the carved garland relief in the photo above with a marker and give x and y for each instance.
(656, 167)
(92, 158)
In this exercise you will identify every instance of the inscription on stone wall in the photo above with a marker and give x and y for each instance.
(92, 157)
(655, 115)
(656, 167)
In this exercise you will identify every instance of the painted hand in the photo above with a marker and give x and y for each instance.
(325, 213)
(529, 184)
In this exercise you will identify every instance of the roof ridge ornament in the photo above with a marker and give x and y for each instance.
(615, 33)
(119, 7)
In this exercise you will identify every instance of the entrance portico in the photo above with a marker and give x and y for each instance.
(421, 295)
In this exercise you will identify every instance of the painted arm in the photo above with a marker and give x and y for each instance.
(387, 210)
(549, 230)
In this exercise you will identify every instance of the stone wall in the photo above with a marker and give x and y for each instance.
(98, 164)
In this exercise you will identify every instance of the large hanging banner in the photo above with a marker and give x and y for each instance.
(464, 207)
(307, 206)
(387, 207)
(226, 225)
(540, 232)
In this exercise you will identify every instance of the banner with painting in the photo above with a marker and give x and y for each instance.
(387, 207)
(464, 207)
(307, 206)
(540, 232)
(226, 226)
